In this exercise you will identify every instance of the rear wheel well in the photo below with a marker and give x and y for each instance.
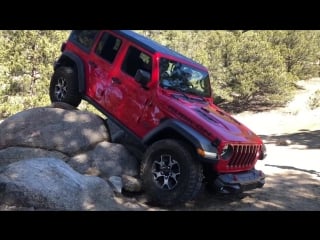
(73, 61)
(66, 62)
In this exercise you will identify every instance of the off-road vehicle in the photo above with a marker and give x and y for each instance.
(163, 101)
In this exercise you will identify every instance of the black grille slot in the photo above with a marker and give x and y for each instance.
(243, 155)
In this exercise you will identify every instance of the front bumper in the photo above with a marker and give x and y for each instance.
(239, 182)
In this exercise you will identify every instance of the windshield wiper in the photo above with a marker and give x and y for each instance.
(179, 89)
(183, 93)
(194, 96)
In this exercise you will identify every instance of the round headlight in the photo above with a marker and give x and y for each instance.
(226, 152)
(263, 152)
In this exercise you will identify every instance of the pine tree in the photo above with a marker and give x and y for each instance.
(27, 59)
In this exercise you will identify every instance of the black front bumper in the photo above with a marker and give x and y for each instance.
(239, 182)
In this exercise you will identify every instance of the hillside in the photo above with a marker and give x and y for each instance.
(295, 116)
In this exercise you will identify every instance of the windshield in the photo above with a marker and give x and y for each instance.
(184, 78)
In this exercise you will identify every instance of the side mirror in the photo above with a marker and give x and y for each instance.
(142, 77)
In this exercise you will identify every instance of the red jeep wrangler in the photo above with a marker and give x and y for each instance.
(163, 101)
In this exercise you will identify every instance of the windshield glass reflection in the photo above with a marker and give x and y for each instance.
(183, 78)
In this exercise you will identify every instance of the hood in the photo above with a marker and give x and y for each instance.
(225, 126)
(212, 121)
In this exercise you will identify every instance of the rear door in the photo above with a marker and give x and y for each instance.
(102, 64)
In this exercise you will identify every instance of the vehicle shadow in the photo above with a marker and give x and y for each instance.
(294, 168)
(294, 190)
(310, 139)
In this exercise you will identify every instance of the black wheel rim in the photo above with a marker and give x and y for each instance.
(60, 89)
(166, 172)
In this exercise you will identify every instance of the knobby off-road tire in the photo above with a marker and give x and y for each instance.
(64, 87)
(170, 173)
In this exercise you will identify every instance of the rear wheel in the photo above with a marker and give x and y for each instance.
(64, 87)
(170, 174)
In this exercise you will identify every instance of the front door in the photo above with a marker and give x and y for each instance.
(133, 98)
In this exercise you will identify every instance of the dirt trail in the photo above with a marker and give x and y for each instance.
(295, 123)
(294, 117)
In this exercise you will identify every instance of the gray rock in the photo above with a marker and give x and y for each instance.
(33, 145)
(57, 129)
(62, 105)
(283, 142)
(131, 184)
(105, 160)
(14, 154)
(50, 184)
(116, 183)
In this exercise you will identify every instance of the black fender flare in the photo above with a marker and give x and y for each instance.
(188, 133)
(76, 60)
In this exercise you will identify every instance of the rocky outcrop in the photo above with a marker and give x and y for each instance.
(14, 154)
(60, 135)
(53, 129)
(50, 184)
(105, 159)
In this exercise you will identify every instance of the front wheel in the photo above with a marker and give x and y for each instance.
(170, 173)
(64, 87)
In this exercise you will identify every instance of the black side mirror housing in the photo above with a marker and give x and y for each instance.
(143, 77)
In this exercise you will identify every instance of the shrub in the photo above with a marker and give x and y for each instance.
(314, 100)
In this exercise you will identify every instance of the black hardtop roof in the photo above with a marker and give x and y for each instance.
(153, 46)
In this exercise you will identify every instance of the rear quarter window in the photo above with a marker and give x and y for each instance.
(108, 47)
(84, 38)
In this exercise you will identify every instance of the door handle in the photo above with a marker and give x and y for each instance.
(92, 64)
(116, 80)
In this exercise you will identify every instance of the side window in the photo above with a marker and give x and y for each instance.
(84, 38)
(134, 60)
(108, 47)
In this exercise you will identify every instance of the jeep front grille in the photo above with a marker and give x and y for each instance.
(243, 155)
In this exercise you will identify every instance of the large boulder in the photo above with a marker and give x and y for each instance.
(79, 138)
(66, 131)
(48, 183)
(14, 154)
(105, 160)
